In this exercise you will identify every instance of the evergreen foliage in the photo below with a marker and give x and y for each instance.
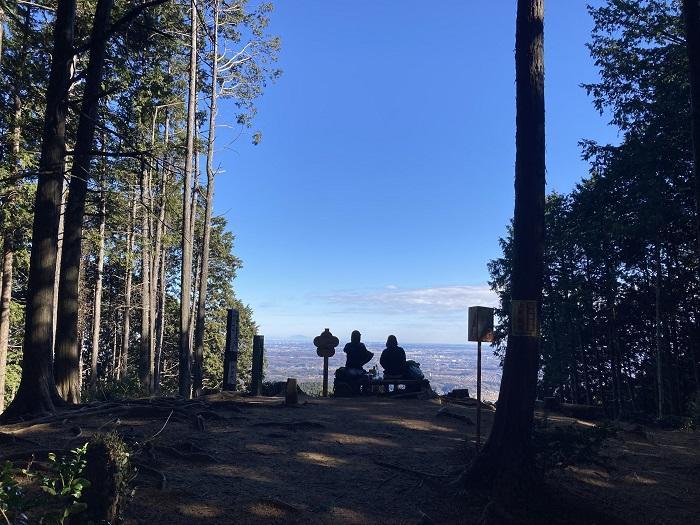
(621, 295)
(136, 172)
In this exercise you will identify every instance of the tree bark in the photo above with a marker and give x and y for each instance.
(204, 271)
(657, 335)
(67, 351)
(97, 315)
(691, 15)
(37, 392)
(507, 457)
(5, 299)
(145, 368)
(126, 328)
(57, 275)
(185, 370)
(158, 302)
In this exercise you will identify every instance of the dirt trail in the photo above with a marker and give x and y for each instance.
(329, 461)
(356, 461)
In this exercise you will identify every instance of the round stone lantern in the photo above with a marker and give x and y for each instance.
(325, 347)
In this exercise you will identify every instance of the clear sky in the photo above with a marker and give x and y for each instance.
(385, 174)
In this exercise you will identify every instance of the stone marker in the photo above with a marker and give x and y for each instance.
(325, 347)
(257, 371)
(231, 350)
(291, 396)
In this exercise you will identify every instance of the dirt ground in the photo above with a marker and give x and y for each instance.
(353, 461)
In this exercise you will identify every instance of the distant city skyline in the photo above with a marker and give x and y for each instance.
(385, 174)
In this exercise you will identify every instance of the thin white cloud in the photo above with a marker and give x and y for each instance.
(436, 300)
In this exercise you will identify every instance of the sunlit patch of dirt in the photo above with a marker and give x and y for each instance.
(264, 449)
(415, 424)
(199, 510)
(237, 471)
(350, 516)
(324, 460)
(350, 439)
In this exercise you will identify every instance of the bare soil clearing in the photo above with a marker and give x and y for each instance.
(345, 461)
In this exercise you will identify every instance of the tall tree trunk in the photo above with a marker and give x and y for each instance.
(129, 269)
(113, 370)
(59, 251)
(507, 455)
(5, 299)
(185, 370)
(691, 15)
(2, 38)
(196, 253)
(67, 351)
(657, 335)
(145, 369)
(9, 235)
(195, 288)
(160, 324)
(204, 271)
(97, 315)
(584, 364)
(158, 297)
(37, 392)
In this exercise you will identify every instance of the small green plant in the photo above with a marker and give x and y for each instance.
(12, 499)
(562, 445)
(65, 484)
(115, 390)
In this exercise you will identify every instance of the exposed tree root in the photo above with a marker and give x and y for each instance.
(11, 438)
(189, 456)
(142, 467)
(293, 426)
(409, 470)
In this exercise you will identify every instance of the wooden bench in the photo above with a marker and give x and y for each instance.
(387, 381)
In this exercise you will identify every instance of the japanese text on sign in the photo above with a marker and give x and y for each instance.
(524, 321)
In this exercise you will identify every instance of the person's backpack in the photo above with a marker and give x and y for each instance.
(413, 370)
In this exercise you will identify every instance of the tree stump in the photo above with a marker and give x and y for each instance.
(107, 468)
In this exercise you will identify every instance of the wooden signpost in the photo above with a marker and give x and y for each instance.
(325, 347)
(231, 350)
(480, 329)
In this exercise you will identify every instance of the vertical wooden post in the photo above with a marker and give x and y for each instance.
(257, 372)
(325, 347)
(231, 350)
(480, 330)
(478, 393)
(325, 376)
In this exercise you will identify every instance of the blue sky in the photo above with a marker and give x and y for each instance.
(385, 174)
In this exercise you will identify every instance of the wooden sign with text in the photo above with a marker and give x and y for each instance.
(524, 319)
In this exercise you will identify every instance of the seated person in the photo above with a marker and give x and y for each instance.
(395, 364)
(393, 358)
(357, 353)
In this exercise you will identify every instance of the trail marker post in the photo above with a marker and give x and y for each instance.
(231, 350)
(480, 329)
(257, 371)
(325, 347)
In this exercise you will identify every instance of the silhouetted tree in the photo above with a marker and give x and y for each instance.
(507, 456)
(37, 391)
